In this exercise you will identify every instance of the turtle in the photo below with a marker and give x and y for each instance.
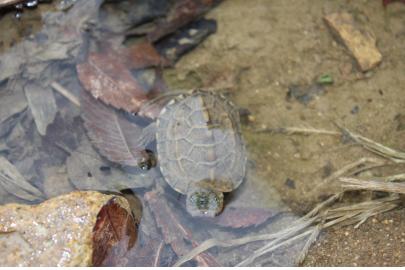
(200, 149)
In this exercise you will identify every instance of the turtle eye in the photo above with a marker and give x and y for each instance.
(147, 161)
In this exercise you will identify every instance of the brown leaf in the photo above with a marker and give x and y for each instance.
(233, 217)
(143, 55)
(114, 136)
(174, 232)
(114, 234)
(107, 78)
(182, 13)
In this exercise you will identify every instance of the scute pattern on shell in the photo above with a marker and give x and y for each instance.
(199, 138)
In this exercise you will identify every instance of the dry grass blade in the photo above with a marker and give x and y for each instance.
(347, 169)
(320, 216)
(379, 149)
(391, 178)
(298, 130)
(312, 238)
(353, 183)
(297, 226)
(272, 246)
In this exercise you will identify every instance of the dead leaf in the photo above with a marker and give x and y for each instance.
(182, 13)
(42, 105)
(114, 136)
(107, 78)
(240, 217)
(55, 181)
(14, 183)
(13, 102)
(185, 39)
(174, 233)
(87, 171)
(114, 234)
(387, 2)
(142, 55)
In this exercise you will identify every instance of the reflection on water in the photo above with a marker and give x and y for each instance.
(102, 96)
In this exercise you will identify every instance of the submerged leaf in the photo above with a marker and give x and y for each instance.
(182, 13)
(107, 78)
(87, 171)
(114, 233)
(233, 217)
(143, 55)
(386, 2)
(185, 39)
(114, 136)
(42, 105)
(14, 183)
(175, 233)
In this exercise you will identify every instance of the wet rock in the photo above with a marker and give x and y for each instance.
(360, 43)
(75, 229)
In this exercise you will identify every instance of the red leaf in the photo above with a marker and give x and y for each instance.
(386, 2)
(183, 12)
(242, 217)
(107, 78)
(115, 232)
(114, 136)
(174, 233)
(143, 55)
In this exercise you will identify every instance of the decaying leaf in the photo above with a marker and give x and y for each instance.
(178, 236)
(12, 104)
(241, 217)
(386, 2)
(182, 13)
(185, 39)
(55, 181)
(42, 105)
(143, 55)
(107, 78)
(114, 136)
(114, 233)
(14, 183)
(87, 171)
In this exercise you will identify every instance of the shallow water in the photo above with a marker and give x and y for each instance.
(265, 57)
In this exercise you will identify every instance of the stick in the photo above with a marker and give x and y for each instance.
(66, 93)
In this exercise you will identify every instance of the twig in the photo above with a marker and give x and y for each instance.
(159, 251)
(66, 93)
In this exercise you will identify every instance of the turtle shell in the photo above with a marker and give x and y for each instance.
(199, 140)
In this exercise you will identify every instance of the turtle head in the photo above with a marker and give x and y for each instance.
(204, 202)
